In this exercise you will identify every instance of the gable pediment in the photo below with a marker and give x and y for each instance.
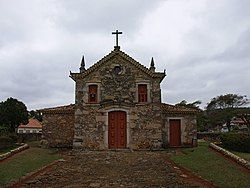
(116, 55)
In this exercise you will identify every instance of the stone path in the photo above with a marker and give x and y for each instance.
(110, 169)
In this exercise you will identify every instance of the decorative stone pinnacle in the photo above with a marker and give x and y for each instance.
(152, 65)
(82, 67)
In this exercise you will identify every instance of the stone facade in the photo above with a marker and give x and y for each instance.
(116, 80)
(58, 126)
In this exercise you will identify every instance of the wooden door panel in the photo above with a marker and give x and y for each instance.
(175, 133)
(117, 129)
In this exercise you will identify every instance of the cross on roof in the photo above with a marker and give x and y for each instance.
(116, 33)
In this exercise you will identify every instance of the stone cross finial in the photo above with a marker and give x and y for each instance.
(152, 65)
(117, 33)
(82, 67)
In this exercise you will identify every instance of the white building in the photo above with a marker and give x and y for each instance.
(34, 126)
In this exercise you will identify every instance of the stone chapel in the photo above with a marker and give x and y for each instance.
(118, 106)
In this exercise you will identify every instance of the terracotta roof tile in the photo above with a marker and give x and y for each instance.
(66, 109)
(172, 109)
(33, 123)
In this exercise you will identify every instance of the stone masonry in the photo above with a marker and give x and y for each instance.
(117, 77)
(58, 126)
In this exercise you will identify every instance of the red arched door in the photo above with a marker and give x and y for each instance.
(175, 132)
(117, 127)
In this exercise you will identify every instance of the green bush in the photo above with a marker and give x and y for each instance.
(5, 142)
(236, 141)
(4, 130)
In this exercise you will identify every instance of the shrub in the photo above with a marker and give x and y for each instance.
(4, 130)
(5, 142)
(236, 141)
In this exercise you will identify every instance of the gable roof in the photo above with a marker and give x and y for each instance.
(113, 53)
(172, 109)
(33, 124)
(66, 109)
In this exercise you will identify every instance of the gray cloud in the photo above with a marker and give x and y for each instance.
(204, 46)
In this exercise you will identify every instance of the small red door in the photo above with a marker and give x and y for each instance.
(175, 132)
(117, 137)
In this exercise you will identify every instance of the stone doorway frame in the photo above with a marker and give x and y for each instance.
(127, 125)
(168, 127)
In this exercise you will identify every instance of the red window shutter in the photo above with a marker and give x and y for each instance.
(142, 93)
(92, 93)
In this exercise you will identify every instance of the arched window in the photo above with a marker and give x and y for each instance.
(92, 94)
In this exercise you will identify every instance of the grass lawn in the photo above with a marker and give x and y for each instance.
(212, 167)
(245, 156)
(27, 161)
(2, 151)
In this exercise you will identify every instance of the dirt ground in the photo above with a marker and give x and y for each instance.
(110, 169)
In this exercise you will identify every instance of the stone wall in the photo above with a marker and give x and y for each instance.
(146, 127)
(188, 128)
(118, 91)
(89, 128)
(58, 129)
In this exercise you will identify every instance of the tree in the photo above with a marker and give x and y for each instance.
(201, 117)
(244, 114)
(194, 105)
(12, 114)
(227, 101)
(36, 115)
(223, 108)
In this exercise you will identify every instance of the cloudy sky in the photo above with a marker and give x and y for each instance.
(203, 44)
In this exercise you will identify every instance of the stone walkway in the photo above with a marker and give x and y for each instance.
(110, 169)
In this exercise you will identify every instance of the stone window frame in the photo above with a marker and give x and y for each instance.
(168, 127)
(98, 93)
(148, 92)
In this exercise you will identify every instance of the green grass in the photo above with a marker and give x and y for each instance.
(2, 151)
(27, 161)
(245, 156)
(212, 167)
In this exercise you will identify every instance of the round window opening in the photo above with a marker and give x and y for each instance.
(117, 69)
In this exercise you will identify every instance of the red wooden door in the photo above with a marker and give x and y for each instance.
(175, 132)
(117, 137)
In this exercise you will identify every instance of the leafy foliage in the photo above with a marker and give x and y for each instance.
(36, 115)
(223, 108)
(220, 110)
(194, 105)
(5, 142)
(201, 119)
(227, 101)
(12, 114)
(236, 141)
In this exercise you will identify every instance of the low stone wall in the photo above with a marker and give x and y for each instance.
(230, 155)
(14, 151)
(58, 129)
